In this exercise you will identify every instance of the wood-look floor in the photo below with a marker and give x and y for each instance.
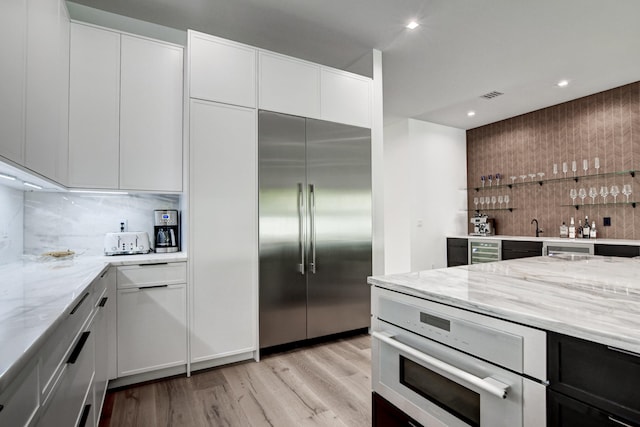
(323, 385)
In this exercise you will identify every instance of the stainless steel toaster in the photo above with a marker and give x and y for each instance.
(126, 243)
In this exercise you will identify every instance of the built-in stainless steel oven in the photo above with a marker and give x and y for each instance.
(445, 366)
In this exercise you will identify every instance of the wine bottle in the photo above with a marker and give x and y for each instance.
(572, 229)
(586, 230)
(593, 233)
(579, 229)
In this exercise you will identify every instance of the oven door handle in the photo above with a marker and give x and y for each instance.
(488, 384)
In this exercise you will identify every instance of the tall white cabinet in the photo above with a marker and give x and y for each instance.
(223, 220)
(125, 124)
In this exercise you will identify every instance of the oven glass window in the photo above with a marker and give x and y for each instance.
(449, 395)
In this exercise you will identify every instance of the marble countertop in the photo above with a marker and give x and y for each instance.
(550, 239)
(36, 291)
(591, 297)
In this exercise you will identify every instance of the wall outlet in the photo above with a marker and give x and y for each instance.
(606, 221)
(124, 225)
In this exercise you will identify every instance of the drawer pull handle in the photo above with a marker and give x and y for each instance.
(104, 274)
(1, 408)
(619, 350)
(84, 297)
(78, 348)
(154, 263)
(85, 415)
(153, 287)
(103, 302)
(619, 422)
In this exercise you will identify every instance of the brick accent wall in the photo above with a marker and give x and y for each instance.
(604, 125)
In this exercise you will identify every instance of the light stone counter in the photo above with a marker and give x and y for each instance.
(549, 239)
(36, 292)
(591, 297)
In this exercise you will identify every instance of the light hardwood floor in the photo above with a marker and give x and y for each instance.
(326, 384)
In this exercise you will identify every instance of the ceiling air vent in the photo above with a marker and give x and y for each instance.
(491, 95)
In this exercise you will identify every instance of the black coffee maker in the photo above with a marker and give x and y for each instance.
(166, 230)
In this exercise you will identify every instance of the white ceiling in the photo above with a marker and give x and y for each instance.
(462, 50)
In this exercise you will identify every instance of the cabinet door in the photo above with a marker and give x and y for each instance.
(64, 31)
(150, 115)
(345, 98)
(223, 235)
(43, 118)
(94, 107)
(386, 414)
(152, 330)
(289, 86)
(13, 30)
(20, 400)
(457, 252)
(513, 249)
(617, 250)
(222, 70)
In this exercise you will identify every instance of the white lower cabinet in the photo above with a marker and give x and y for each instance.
(20, 401)
(223, 230)
(105, 347)
(151, 321)
(65, 405)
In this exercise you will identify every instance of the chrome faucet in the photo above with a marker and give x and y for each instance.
(538, 229)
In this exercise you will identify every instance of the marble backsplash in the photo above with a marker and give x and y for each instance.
(79, 221)
(11, 224)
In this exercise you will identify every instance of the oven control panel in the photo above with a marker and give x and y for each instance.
(494, 345)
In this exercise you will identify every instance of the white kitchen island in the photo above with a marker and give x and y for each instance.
(568, 324)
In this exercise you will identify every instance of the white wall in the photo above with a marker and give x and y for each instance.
(11, 220)
(425, 197)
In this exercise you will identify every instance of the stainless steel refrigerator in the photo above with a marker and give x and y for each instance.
(315, 228)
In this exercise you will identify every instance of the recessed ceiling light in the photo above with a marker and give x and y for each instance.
(563, 83)
(10, 178)
(412, 25)
(471, 113)
(28, 184)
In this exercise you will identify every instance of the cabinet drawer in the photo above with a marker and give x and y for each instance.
(66, 404)
(19, 402)
(617, 250)
(58, 345)
(596, 374)
(563, 411)
(140, 276)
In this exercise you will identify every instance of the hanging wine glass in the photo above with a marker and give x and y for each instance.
(573, 193)
(585, 165)
(574, 167)
(540, 175)
(596, 164)
(523, 177)
(626, 190)
(582, 193)
(493, 202)
(532, 176)
(513, 178)
(482, 179)
(475, 202)
(593, 193)
(604, 192)
(500, 200)
(555, 170)
(614, 192)
(506, 200)
(482, 202)
(498, 176)
(564, 169)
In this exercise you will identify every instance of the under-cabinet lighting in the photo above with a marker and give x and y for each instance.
(471, 113)
(122, 193)
(563, 83)
(28, 184)
(9, 177)
(412, 25)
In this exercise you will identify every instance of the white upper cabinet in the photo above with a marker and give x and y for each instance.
(221, 70)
(345, 98)
(45, 76)
(13, 30)
(94, 108)
(150, 115)
(290, 86)
(125, 112)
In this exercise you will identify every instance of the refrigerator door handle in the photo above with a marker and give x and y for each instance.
(312, 226)
(301, 266)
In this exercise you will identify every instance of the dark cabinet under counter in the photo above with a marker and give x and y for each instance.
(626, 251)
(385, 414)
(457, 251)
(591, 384)
(514, 249)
